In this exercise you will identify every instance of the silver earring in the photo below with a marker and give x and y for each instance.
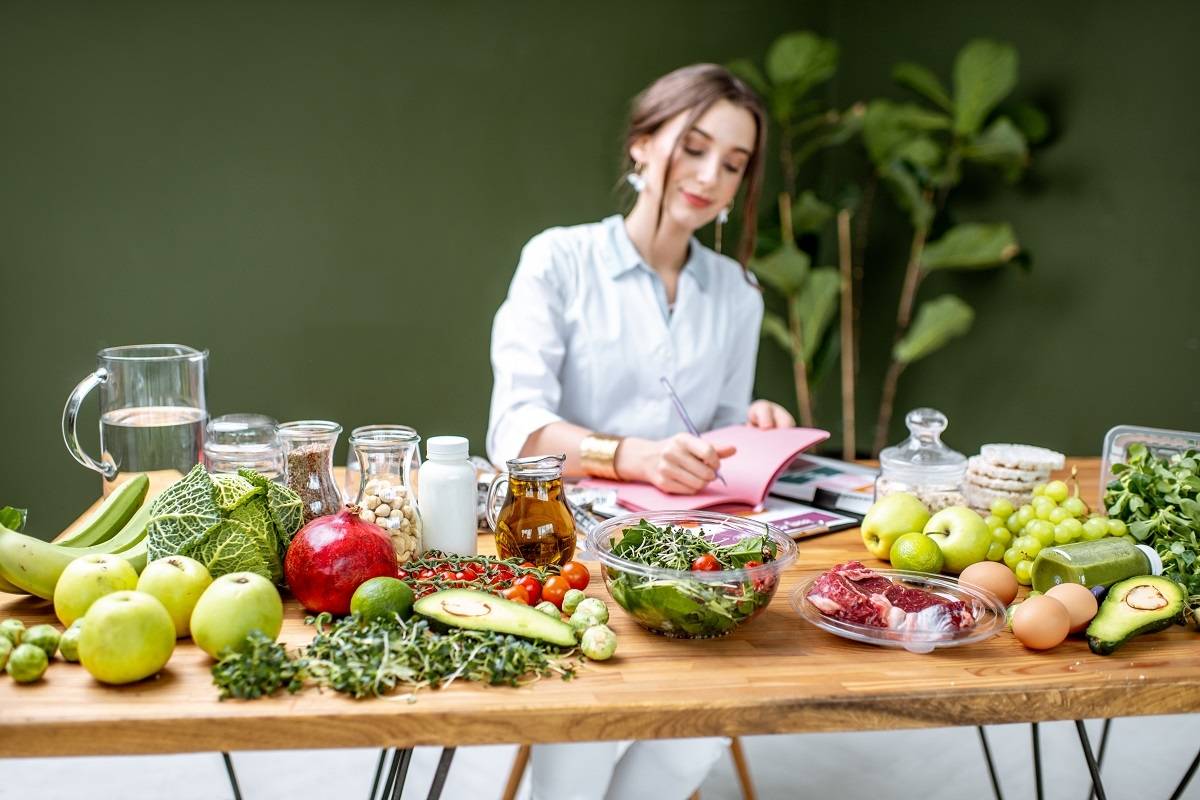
(723, 215)
(635, 179)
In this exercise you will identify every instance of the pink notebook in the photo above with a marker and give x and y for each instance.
(761, 456)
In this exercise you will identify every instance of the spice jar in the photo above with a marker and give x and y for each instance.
(243, 441)
(353, 479)
(308, 464)
(385, 496)
(922, 464)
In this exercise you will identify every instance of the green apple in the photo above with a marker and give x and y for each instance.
(177, 582)
(891, 518)
(86, 580)
(126, 636)
(963, 536)
(231, 608)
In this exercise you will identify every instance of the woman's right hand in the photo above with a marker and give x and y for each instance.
(680, 464)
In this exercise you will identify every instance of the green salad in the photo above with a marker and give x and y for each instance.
(683, 606)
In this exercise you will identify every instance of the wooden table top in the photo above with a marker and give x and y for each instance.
(777, 674)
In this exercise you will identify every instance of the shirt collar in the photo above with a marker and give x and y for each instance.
(627, 258)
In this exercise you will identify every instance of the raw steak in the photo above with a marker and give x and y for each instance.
(854, 593)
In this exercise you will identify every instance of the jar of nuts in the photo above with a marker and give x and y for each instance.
(385, 496)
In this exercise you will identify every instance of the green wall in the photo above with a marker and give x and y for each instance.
(331, 198)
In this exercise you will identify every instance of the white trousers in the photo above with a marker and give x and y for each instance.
(660, 769)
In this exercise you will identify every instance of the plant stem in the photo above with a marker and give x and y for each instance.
(886, 401)
(799, 363)
(908, 296)
(863, 224)
(800, 367)
(847, 325)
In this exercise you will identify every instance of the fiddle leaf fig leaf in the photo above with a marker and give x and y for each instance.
(888, 126)
(749, 72)
(1001, 144)
(908, 193)
(774, 327)
(922, 81)
(937, 322)
(984, 73)
(815, 306)
(802, 59)
(783, 270)
(972, 245)
(810, 214)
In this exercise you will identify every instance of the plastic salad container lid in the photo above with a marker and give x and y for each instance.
(1161, 442)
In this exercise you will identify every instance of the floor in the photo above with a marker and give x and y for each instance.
(1145, 759)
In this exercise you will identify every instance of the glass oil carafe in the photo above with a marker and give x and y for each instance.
(534, 523)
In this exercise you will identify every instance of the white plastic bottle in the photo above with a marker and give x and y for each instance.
(447, 496)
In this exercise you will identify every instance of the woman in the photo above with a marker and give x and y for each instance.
(597, 314)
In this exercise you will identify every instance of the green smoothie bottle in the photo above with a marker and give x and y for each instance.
(1099, 563)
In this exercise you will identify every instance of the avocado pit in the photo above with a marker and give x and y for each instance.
(1145, 598)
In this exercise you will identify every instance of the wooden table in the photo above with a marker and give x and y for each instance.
(776, 675)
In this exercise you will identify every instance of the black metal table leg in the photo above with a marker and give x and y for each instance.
(1037, 761)
(991, 766)
(1097, 785)
(1187, 778)
(1100, 755)
(439, 776)
(233, 781)
(394, 787)
(378, 774)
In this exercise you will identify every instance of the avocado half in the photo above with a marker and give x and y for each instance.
(480, 611)
(1132, 607)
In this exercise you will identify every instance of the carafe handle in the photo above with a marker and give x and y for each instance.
(71, 434)
(493, 491)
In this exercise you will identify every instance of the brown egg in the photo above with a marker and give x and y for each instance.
(993, 577)
(1080, 603)
(1041, 622)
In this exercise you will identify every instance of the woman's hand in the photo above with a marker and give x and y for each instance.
(681, 464)
(765, 414)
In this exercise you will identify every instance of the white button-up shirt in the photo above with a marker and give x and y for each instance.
(585, 334)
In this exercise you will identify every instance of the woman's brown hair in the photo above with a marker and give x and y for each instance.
(694, 89)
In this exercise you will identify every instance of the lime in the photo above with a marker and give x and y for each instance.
(381, 597)
(916, 552)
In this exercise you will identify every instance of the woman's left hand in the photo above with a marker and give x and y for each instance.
(765, 414)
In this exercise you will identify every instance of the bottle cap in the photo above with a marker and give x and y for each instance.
(1156, 565)
(447, 447)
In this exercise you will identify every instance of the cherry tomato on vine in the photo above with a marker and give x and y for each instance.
(533, 588)
(556, 586)
(517, 594)
(576, 574)
(750, 564)
(706, 563)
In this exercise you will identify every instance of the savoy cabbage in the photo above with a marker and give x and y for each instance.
(229, 523)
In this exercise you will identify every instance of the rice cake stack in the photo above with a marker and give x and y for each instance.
(1008, 472)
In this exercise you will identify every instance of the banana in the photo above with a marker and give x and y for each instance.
(34, 566)
(113, 514)
(5, 586)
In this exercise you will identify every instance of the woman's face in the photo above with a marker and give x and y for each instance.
(706, 168)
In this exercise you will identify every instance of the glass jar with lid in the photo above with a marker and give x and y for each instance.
(353, 482)
(922, 464)
(237, 441)
(386, 496)
(308, 464)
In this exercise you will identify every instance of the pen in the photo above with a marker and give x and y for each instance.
(683, 415)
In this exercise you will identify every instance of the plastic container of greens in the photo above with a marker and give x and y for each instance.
(685, 603)
(1161, 442)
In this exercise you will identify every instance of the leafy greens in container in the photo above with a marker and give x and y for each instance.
(229, 523)
(667, 595)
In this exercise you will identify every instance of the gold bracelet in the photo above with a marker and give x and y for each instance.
(598, 455)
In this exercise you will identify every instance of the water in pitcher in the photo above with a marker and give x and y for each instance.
(150, 438)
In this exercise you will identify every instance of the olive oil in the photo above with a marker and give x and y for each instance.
(535, 524)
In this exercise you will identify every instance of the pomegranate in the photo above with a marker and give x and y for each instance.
(331, 555)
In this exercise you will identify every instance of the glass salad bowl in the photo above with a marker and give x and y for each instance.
(677, 600)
